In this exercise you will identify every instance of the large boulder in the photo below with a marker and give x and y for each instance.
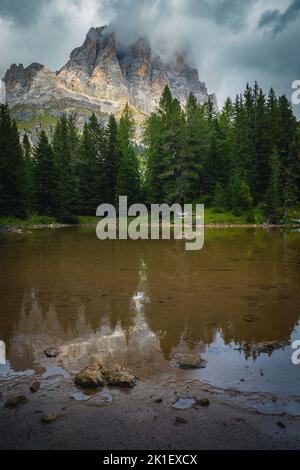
(189, 361)
(90, 377)
(119, 376)
(98, 375)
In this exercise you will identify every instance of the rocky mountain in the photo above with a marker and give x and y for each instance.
(101, 76)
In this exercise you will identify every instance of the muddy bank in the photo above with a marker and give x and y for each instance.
(141, 418)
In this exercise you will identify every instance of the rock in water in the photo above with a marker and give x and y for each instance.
(268, 347)
(15, 401)
(90, 377)
(51, 353)
(101, 399)
(251, 318)
(78, 396)
(35, 387)
(49, 418)
(119, 376)
(190, 361)
(184, 403)
(203, 402)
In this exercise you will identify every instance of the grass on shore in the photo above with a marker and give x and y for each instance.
(212, 216)
(28, 222)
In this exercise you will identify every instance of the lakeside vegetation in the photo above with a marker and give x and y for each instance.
(243, 163)
(212, 217)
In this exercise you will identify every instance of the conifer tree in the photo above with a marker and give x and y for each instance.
(274, 192)
(29, 173)
(128, 181)
(64, 145)
(153, 140)
(93, 179)
(195, 150)
(12, 168)
(45, 177)
(112, 158)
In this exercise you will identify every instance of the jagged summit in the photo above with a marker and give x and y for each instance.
(101, 75)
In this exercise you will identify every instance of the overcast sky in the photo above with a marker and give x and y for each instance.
(232, 41)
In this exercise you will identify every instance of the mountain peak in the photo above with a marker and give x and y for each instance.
(105, 72)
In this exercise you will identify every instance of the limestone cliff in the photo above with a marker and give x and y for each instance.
(101, 76)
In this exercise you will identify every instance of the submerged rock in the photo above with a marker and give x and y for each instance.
(203, 402)
(180, 420)
(35, 387)
(251, 318)
(101, 399)
(268, 346)
(184, 403)
(98, 375)
(90, 377)
(49, 418)
(51, 353)
(15, 401)
(78, 396)
(190, 361)
(119, 376)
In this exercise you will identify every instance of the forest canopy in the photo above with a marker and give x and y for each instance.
(244, 156)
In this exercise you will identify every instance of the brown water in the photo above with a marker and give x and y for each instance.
(142, 302)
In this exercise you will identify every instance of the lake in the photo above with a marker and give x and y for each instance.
(236, 303)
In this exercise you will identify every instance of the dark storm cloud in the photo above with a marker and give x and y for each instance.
(223, 12)
(277, 21)
(21, 11)
(228, 39)
(232, 13)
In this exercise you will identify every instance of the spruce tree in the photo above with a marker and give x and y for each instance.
(111, 160)
(128, 181)
(12, 168)
(153, 140)
(45, 177)
(64, 145)
(172, 141)
(93, 180)
(29, 173)
(195, 150)
(274, 197)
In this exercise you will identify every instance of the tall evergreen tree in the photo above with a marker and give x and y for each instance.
(274, 193)
(29, 173)
(111, 161)
(45, 177)
(195, 150)
(65, 141)
(94, 183)
(128, 181)
(153, 140)
(12, 168)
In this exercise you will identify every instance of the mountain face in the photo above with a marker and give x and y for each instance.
(101, 76)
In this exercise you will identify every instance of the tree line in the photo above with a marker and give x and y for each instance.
(237, 159)
(70, 174)
(244, 156)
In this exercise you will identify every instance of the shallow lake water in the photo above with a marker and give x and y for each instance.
(143, 302)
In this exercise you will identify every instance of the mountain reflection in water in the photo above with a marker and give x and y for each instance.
(142, 302)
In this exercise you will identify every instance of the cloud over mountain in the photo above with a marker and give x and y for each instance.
(230, 40)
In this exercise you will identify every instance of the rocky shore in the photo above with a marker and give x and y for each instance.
(106, 407)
